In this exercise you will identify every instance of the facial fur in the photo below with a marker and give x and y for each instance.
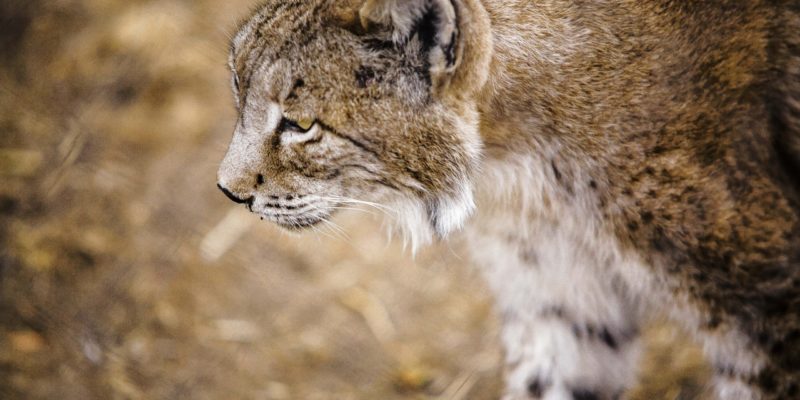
(382, 127)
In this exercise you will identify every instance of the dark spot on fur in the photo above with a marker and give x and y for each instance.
(260, 179)
(556, 172)
(649, 171)
(647, 217)
(379, 45)
(8, 205)
(726, 371)
(608, 339)
(633, 226)
(590, 330)
(593, 184)
(365, 76)
(767, 381)
(553, 311)
(530, 256)
(450, 50)
(536, 388)
(583, 394)
(577, 331)
(125, 94)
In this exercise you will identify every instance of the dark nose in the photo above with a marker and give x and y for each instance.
(233, 197)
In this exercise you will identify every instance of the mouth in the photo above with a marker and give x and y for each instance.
(298, 223)
(295, 216)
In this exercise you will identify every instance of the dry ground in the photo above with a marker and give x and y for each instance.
(124, 274)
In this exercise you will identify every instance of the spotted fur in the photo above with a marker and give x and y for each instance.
(606, 160)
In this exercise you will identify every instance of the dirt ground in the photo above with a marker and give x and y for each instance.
(125, 274)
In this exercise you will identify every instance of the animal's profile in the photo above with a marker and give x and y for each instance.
(608, 160)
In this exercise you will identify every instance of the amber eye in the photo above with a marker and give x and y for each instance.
(302, 125)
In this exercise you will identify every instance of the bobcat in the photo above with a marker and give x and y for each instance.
(607, 161)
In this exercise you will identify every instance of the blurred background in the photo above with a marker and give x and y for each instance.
(125, 274)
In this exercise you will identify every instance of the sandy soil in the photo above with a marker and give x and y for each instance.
(125, 274)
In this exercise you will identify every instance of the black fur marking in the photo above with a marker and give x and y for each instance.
(365, 76)
(260, 179)
(577, 331)
(379, 45)
(584, 394)
(601, 334)
(556, 172)
(426, 28)
(537, 388)
(608, 339)
(553, 312)
(450, 50)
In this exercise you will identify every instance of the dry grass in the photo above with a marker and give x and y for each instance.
(125, 275)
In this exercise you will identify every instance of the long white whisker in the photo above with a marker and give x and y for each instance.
(339, 229)
(352, 209)
(321, 232)
(356, 201)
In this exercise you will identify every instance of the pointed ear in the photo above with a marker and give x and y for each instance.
(433, 23)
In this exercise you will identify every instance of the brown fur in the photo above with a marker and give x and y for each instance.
(686, 113)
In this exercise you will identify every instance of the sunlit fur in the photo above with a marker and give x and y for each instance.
(607, 161)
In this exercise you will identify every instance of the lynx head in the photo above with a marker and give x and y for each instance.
(358, 101)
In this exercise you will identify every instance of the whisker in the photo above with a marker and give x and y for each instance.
(339, 229)
(353, 209)
(356, 201)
